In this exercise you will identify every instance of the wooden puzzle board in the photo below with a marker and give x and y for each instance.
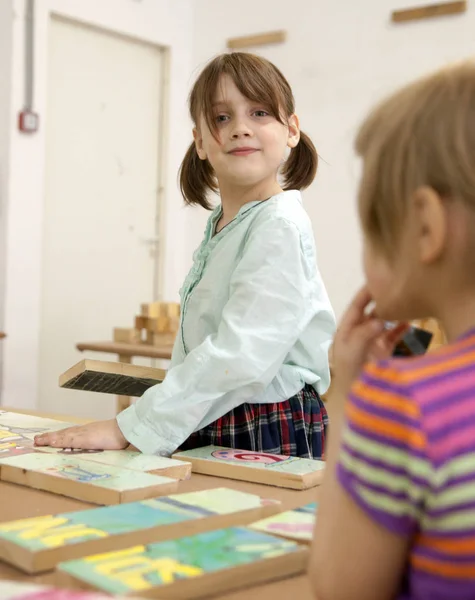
(297, 524)
(83, 479)
(197, 566)
(17, 501)
(17, 433)
(39, 543)
(10, 590)
(128, 459)
(258, 467)
(111, 377)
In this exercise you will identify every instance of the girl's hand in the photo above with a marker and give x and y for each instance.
(102, 435)
(360, 338)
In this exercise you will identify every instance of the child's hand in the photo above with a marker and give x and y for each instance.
(361, 337)
(102, 435)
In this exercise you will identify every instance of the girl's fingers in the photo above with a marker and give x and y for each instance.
(355, 313)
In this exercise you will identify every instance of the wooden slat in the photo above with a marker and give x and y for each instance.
(427, 12)
(259, 39)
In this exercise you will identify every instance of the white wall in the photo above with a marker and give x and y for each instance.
(164, 22)
(5, 95)
(340, 57)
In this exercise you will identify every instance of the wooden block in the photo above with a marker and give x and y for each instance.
(259, 39)
(151, 323)
(270, 469)
(163, 309)
(430, 11)
(128, 459)
(158, 339)
(150, 338)
(140, 322)
(173, 310)
(17, 432)
(174, 324)
(151, 310)
(12, 590)
(157, 325)
(126, 335)
(198, 566)
(163, 325)
(297, 525)
(83, 479)
(111, 377)
(38, 544)
(28, 425)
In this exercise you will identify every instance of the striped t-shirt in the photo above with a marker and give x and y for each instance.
(408, 459)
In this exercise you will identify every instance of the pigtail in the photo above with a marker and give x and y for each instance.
(196, 178)
(301, 166)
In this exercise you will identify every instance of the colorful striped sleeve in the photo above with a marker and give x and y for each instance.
(383, 463)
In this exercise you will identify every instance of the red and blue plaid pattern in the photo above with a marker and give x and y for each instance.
(296, 427)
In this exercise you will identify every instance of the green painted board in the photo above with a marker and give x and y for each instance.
(195, 566)
(39, 543)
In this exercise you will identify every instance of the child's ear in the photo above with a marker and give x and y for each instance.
(294, 131)
(431, 223)
(199, 143)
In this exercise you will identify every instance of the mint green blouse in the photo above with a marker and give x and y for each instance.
(256, 325)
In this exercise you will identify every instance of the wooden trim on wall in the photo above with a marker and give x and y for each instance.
(428, 12)
(258, 39)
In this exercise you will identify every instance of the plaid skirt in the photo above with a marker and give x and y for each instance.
(295, 427)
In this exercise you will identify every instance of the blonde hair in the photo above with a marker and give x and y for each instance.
(423, 135)
(259, 80)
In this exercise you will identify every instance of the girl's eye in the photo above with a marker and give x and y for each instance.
(261, 113)
(222, 118)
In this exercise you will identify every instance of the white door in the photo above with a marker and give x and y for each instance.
(101, 199)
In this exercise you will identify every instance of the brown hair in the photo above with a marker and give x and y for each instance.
(259, 80)
(423, 135)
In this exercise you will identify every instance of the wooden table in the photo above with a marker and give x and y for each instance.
(125, 353)
(17, 502)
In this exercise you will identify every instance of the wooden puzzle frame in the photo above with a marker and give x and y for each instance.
(284, 559)
(185, 518)
(256, 467)
(82, 479)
